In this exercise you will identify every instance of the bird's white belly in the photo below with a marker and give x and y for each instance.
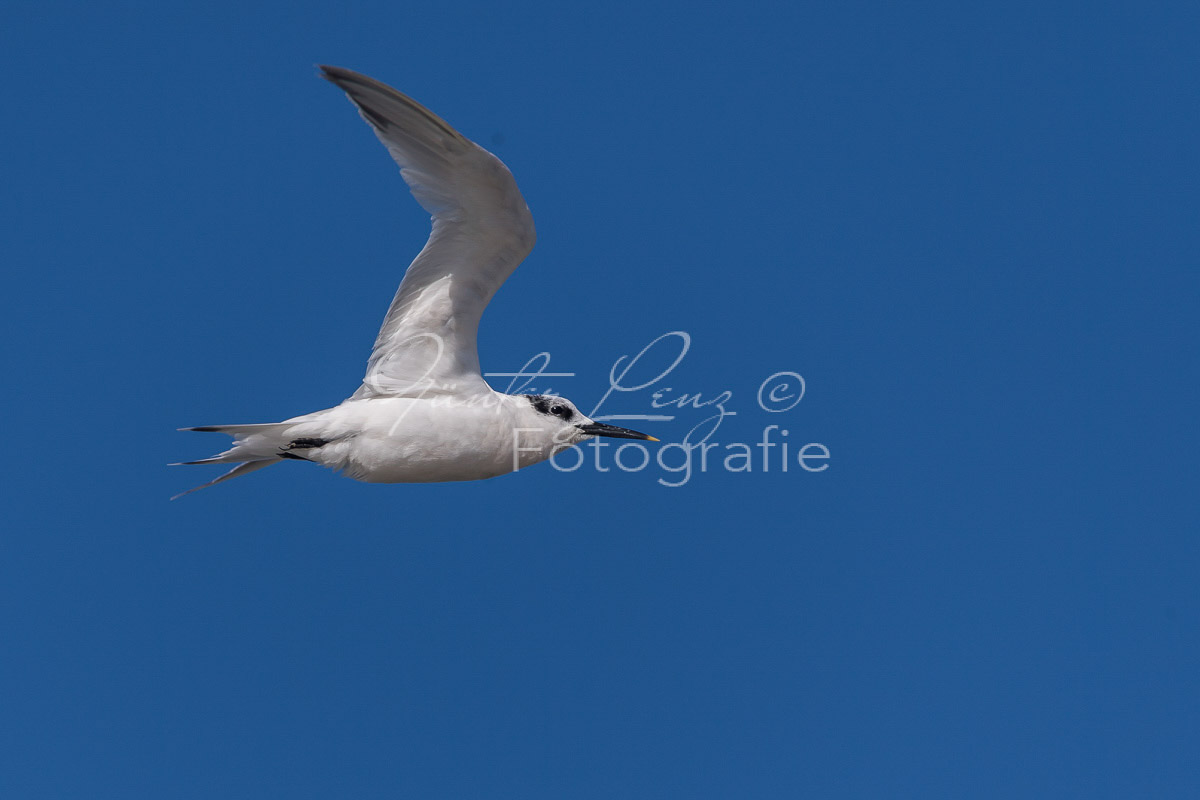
(399, 440)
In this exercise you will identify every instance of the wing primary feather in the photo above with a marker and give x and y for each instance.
(359, 87)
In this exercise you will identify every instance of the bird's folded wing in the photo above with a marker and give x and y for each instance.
(482, 229)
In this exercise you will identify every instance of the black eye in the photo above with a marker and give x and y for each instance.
(561, 411)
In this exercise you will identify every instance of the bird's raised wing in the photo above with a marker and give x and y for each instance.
(482, 229)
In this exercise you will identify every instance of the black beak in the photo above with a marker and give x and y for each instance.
(600, 429)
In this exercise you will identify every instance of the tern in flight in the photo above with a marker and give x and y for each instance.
(424, 412)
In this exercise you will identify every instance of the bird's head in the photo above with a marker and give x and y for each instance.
(560, 417)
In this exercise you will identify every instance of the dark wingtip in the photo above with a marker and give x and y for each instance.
(202, 429)
(344, 79)
(337, 75)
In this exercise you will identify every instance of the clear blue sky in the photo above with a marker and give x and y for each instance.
(973, 232)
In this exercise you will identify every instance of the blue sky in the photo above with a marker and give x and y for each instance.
(972, 231)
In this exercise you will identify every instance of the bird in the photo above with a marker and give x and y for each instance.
(424, 412)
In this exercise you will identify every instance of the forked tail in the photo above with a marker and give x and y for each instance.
(254, 447)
